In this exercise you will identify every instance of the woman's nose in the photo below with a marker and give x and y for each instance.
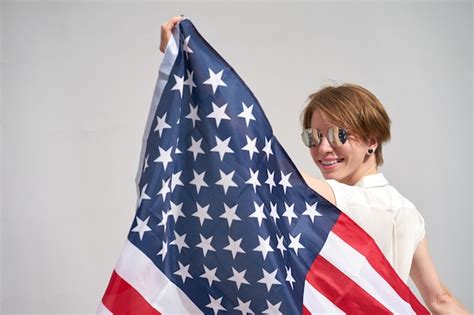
(324, 146)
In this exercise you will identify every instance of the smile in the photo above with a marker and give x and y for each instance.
(330, 162)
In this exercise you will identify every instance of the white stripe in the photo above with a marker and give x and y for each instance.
(102, 310)
(316, 303)
(355, 266)
(142, 274)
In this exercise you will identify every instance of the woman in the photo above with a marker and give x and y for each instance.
(344, 128)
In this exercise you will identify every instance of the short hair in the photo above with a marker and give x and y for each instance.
(352, 107)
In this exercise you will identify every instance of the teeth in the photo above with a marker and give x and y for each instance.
(328, 162)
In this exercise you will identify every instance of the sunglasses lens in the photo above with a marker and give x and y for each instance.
(306, 137)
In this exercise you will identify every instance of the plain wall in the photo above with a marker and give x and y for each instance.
(76, 84)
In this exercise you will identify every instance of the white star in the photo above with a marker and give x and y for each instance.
(229, 214)
(210, 275)
(273, 309)
(179, 241)
(176, 211)
(238, 277)
(205, 245)
(289, 277)
(247, 113)
(222, 147)
(234, 247)
(141, 227)
(198, 180)
(253, 180)
(183, 272)
(176, 180)
(243, 307)
(164, 157)
(268, 148)
(164, 220)
(218, 113)
(163, 251)
(251, 146)
(143, 195)
(274, 212)
(258, 213)
(186, 47)
(161, 124)
(270, 181)
(146, 163)
(226, 180)
(215, 80)
(179, 84)
(280, 245)
(201, 213)
(311, 211)
(264, 246)
(193, 114)
(269, 279)
(215, 304)
(285, 181)
(165, 188)
(189, 81)
(295, 243)
(195, 147)
(289, 212)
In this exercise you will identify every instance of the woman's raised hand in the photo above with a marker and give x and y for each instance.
(166, 31)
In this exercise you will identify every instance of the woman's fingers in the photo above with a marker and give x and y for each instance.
(166, 31)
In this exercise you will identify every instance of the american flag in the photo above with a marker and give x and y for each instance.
(225, 223)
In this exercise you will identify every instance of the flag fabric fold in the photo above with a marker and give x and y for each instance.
(224, 221)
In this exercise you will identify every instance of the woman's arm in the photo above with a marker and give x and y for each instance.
(320, 186)
(437, 297)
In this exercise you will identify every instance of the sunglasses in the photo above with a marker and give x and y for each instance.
(335, 135)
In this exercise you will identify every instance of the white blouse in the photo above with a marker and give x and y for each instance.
(388, 217)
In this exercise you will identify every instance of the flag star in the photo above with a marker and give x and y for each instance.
(251, 146)
(280, 244)
(210, 275)
(273, 309)
(163, 251)
(201, 213)
(205, 245)
(189, 81)
(164, 220)
(193, 114)
(175, 211)
(195, 147)
(234, 247)
(311, 211)
(218, 113)
(164, 157)
(289, 212)
(179, 84)
(198, 180)
(226, 180)
(243, 307)
(268, 148)
(229, 214)
(222, 147)
(146, 163)
(258, 213)
(270, 180)
(285, 181)
(183, 272)
(238, 277)
(161, 124)
(179, 241)
(215, 80)
(269, 279)
(143, 195)
(274, 212)
(295, 243)
(215, 304)
(165, 188)
(186, 47)
(264, 246)
(141, 227)
(246, 113)
(176, 180)
(289, 277)
(253, 180)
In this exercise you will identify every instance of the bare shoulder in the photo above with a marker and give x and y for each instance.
(320, 186)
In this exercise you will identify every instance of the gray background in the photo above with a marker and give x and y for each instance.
(76, 83)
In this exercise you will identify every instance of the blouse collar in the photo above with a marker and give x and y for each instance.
(375, 180)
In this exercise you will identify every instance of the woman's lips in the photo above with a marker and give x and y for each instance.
(328, 164)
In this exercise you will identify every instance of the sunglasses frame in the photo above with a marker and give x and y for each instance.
(311, 141)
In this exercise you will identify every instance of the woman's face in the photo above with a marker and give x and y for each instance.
(346, 163)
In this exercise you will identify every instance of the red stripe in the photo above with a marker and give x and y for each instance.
(341, 290)
(305, 311)
(122, 299)
(364, 244)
